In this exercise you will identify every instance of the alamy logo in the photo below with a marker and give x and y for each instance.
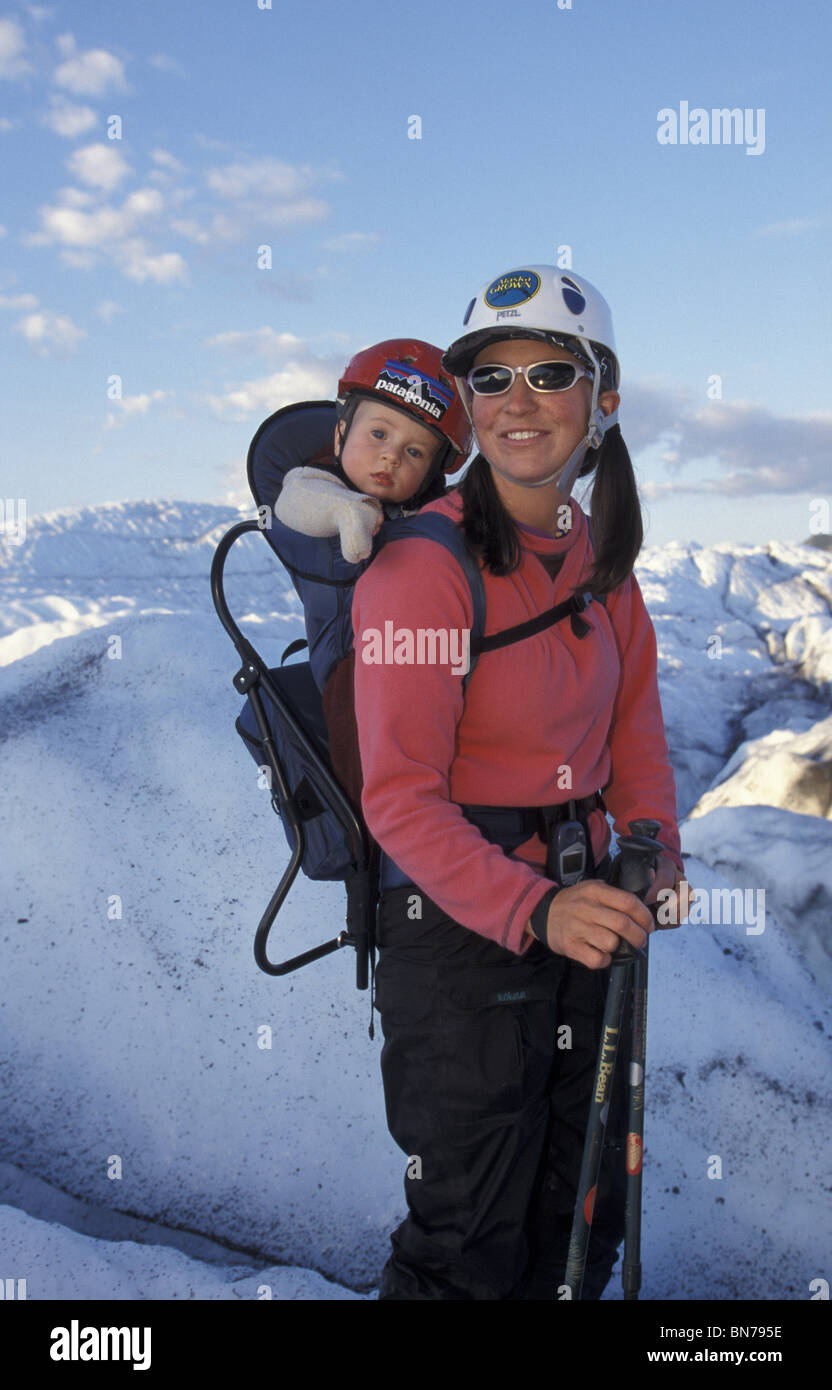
(76, 1343)
(721, 906)
(422, 646)
(720, 126)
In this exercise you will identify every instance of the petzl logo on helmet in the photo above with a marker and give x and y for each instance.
(573, 295)
(514, 288)
(410, 387)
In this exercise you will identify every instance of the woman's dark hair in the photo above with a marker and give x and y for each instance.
(617, 529)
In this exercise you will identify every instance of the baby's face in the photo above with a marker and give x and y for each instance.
(387, 453)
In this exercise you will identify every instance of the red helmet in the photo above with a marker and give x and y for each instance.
(408, 374)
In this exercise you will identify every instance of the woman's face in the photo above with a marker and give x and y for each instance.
(530, 434)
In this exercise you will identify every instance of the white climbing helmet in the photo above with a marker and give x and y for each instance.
(559, 307)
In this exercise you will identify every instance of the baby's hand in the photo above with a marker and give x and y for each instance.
(356, 529)
(380, 519)
(315, 503)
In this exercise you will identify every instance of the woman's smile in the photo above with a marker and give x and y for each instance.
(534, 431)
(521, 436)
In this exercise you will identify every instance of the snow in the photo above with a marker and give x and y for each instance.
(72, 1266)
(180, 1125)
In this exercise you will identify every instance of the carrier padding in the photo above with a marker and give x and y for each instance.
(287, 439)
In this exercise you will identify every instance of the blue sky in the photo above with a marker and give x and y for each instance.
(288, 127)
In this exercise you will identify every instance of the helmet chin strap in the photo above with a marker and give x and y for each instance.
(597, 427)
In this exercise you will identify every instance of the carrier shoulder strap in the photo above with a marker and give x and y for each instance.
(437, 527)
(570, 608)
(434, 526)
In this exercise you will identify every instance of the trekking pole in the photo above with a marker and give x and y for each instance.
(640, 853)
(639, 850)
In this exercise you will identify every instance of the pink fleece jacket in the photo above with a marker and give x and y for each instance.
(549, 718)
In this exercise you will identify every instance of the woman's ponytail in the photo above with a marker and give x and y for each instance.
(617, 528)
(487, 528)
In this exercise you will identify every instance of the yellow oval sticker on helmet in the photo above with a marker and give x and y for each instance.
(515, 288)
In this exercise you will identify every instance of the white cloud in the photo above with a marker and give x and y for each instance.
(650, 412)
(3, 231)
(139, 405)
(295, 382)
(260, 178)
(40, 12)
(12, 47)
(73, 227)
(69, 119)
(190, 229)
(89, 74)
(143, 202)
(221, 226)
(134, 405)
(351, 241)
(50, 334)
(258, 340)
(80, 230)
(303, 210)
(757, 451)
(6, 124)
(70, 224)
(138, 263)
(266, 192)
(167, 161)
(101, 165)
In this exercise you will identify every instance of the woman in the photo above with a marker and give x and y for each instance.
(493, 962)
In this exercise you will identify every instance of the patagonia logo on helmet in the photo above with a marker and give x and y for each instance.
(515, 288)
(573, 295)
(411, 387)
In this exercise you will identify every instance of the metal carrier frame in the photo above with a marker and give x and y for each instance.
(254, 677)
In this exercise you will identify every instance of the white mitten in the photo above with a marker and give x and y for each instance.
(318, 504)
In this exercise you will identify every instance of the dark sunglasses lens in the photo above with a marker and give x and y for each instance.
(490, 381)
(553, 376)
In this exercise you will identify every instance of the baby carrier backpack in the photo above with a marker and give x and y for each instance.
(282, 722)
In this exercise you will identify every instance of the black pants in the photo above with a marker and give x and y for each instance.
(488, 1063)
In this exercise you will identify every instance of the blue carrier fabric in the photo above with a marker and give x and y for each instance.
(327, 851)
(325, 582)
(323, 579)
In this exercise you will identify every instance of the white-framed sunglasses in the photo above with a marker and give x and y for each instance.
(493, 379)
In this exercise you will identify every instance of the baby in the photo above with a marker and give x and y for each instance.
(400, 427)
